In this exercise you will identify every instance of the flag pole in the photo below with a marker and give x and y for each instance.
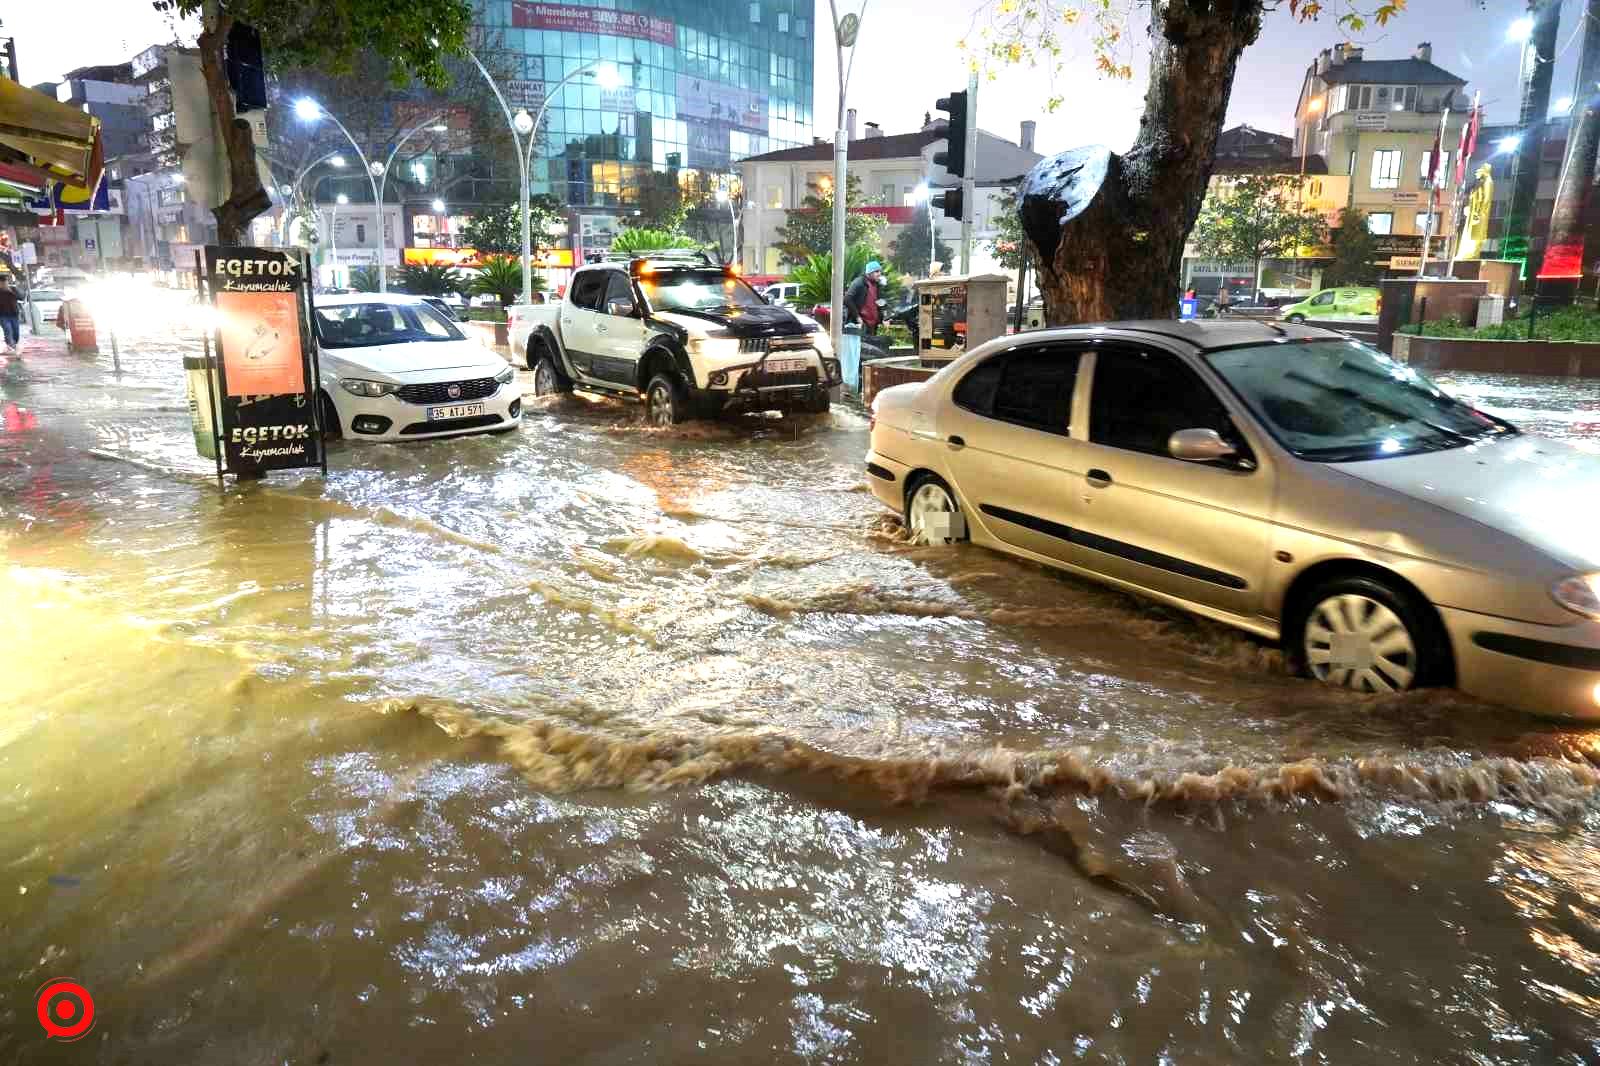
(1433, 186)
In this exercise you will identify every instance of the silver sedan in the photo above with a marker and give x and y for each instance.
(1281, 479)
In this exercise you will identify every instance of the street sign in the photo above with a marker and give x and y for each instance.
(88, 244)
(266, 361)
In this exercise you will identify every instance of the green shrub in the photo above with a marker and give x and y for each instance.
(1552, 324)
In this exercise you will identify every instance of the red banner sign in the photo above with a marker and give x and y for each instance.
(535, 16)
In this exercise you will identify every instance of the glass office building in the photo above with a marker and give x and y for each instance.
(703, 83)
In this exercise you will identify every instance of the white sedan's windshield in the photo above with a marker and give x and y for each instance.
(362, 325)
(1339, 401)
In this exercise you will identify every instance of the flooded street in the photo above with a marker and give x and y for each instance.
(601, 743)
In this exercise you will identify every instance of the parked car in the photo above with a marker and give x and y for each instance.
(1295, 484)
(455, 312)
(394, 368)
(782, 293)
(48, 301)
(1340, 302)
(680, 331)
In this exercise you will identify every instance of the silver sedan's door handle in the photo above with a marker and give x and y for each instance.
(602, 328)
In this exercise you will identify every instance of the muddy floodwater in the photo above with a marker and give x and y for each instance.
(594, 743)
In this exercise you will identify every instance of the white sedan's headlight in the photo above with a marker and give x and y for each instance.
(361, 387)
(1579, 594)
(506, 376)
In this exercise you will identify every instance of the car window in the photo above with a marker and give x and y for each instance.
(1340, 401)
(618, 289)
(1139, 399)
(697, 289)
(361, 325)
(1322, 299)
(589, 290)
(1031, 387)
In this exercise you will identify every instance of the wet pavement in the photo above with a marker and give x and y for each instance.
(600, 743)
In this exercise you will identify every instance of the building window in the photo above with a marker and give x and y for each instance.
(1380, 222)
(886, 192)
(361, 233)
(755, 12)
(802, 27)
(1363, 94)
(1386, 168)
(783, 22)
(775, 197)
(1423, 218)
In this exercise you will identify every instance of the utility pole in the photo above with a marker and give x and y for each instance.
(11, 58)
(969, 181)
(845, 31)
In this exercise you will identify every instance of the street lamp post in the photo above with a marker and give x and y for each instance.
(1313, 108)
(723, 197)
(333, 235)
(524, 125)
(308, 110)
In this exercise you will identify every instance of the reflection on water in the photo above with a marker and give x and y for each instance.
(601, 742)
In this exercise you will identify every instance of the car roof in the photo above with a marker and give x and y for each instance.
(368, 298)
(1204, 334)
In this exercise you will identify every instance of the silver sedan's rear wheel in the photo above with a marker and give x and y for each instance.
(932, 514)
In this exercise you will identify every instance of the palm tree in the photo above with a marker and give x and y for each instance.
(643, 239)
(364, 278)
(815, 275)
(501, 275)
(431, 279)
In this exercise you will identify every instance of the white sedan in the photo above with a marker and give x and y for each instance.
(394, 368)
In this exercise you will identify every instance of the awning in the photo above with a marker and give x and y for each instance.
(56, 139)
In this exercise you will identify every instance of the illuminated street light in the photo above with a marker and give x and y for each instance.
(376, 168)
(307, 109)
(523, 123)
(607, 77)
(438, 207)
(1507, 144)
(1520, 30)
(439, 127)
(336, 160)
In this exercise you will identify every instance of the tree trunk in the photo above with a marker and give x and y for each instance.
(1570, 247)
(246, 198)
(1538, 67)
(1107, 231)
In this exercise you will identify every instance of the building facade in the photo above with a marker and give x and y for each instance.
(1375, 122)
(891, 169)
(702, 83)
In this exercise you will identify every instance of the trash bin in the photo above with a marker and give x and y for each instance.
(850, 357)
(202, 403)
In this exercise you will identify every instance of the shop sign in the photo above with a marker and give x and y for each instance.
(607, 21)
(1405, 262)
(1374, 121)
(267, 417)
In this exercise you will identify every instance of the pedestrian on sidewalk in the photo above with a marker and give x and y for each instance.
(10, 315)
(861, 300)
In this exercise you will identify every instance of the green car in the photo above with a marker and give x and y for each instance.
(1340, 303)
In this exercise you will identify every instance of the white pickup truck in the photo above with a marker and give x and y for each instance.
(687, 335)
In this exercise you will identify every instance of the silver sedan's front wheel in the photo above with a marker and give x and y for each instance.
(932, 514)
(1355, 641)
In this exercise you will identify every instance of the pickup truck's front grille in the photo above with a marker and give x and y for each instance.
(761, 379)
(439, 391)
(757, 345)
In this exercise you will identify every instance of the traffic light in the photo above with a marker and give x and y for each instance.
(954, 158)
(950, 202)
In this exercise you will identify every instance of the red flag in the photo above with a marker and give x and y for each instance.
(1469, 144)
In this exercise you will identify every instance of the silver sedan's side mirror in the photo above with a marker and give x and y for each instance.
(1199, 446)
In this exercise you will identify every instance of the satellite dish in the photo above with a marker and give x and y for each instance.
(847, 29)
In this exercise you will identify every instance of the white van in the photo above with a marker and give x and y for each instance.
(782, 293)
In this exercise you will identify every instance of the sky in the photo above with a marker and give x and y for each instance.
(908, 59)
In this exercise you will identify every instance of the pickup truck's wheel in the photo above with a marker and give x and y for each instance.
(666, 401)
(547, 380)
